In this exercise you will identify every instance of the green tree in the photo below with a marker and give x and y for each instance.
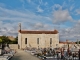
(77, 42)
(0, 40)
(4, 39)
(15, 40)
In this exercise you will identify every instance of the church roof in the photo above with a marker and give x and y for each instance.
(38, 32)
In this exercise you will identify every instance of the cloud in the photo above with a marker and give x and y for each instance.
(9, 19)
(40, 26)
(72, 7)
(71, 0)
(40, 1)
(78, 11)
(16, 15)
(72, 33)
(29, 1)
(12, 12)
(28, 19)
(57, 6)
(7, 30)
(22, 1)
(2, 5)
(46, 3)
(39, 9)
(61, 16)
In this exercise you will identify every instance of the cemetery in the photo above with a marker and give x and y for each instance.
(5, 52)
(64, 53)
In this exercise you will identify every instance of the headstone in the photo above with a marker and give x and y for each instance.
(7, 49)
(0, 51)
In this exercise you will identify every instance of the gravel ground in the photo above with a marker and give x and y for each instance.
(22, 55)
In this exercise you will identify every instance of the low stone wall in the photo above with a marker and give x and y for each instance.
(70, 45)
(13, 46)
(60, 45)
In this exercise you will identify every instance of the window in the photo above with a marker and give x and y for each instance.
(37, 40)
(50, 40)
(25, 40)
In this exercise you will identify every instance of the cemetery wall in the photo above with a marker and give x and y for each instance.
(13, 46)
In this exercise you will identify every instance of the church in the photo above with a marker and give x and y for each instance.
(37, 39)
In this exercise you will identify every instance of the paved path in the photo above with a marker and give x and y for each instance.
(22, 55)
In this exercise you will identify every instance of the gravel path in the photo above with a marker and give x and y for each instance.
(22, 55)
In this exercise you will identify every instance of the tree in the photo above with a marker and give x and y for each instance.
(77, 42)
(0, 41)
(15, 40)
(4, 39)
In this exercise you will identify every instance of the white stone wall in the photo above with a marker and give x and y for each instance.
(44, 40)
(19, 40)
(13, 46)
(70, 45)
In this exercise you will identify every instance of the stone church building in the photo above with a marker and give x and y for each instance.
(37, 39)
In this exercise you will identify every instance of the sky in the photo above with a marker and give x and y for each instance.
(62, 15)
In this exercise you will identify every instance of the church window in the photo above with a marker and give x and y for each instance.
(25, 40)
(50, 40)
(37, 40)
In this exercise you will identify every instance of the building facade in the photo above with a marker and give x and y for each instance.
(38, 39)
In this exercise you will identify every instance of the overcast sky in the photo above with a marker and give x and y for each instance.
(62, 15)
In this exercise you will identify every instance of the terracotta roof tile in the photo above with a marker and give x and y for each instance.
(38, 32)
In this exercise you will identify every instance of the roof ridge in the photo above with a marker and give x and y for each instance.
(38, 32)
